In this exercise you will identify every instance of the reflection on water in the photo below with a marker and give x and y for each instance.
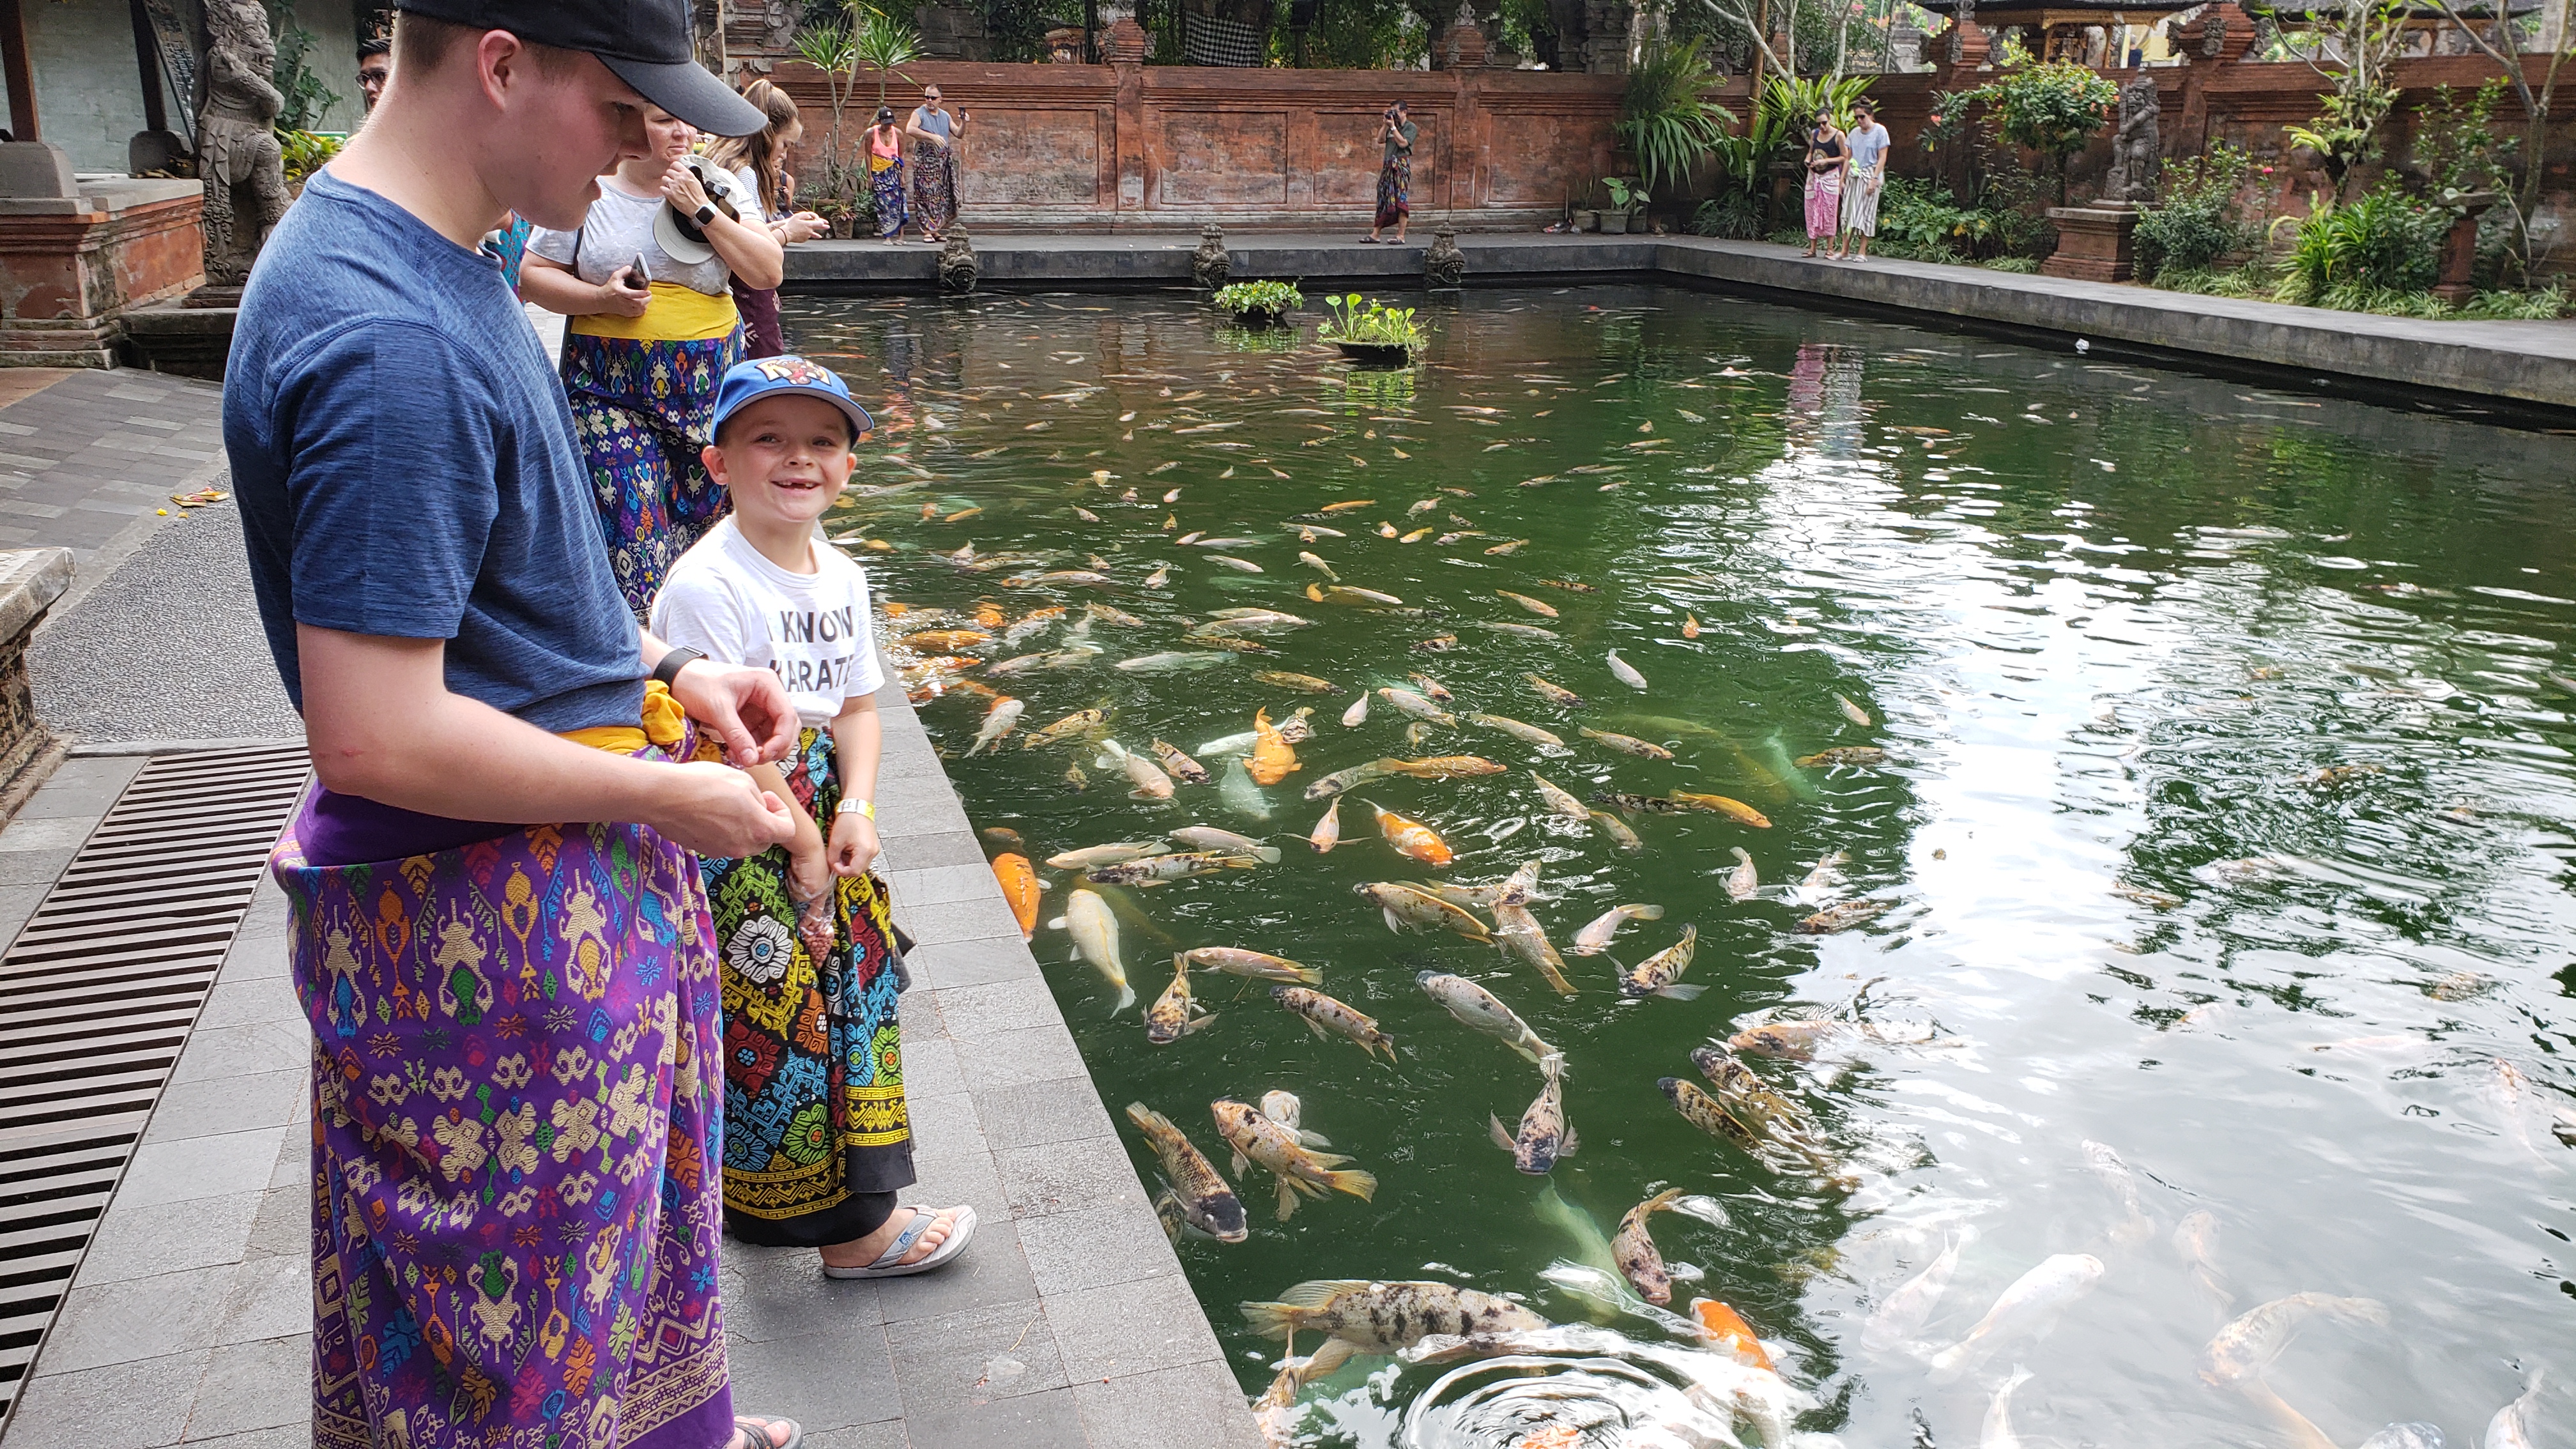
(2220, 849)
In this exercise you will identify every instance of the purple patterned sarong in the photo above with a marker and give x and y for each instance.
(518, 1101)
(644, 412)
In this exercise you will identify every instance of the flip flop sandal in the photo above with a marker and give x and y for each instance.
(1368, 241)
(890, 1264)
(769, 1433)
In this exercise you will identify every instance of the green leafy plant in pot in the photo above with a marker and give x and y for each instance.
(1260, 304)
(1369, 331)
(1626, 199)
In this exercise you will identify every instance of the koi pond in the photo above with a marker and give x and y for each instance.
(2121, 820)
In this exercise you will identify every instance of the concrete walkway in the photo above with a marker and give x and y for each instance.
(1067, 1323)
(2530, 363)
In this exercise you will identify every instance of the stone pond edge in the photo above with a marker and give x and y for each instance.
(2532, 364)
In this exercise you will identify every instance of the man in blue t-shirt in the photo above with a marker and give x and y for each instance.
(501, 940)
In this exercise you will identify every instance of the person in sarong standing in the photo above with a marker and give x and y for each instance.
(885, 176)
(1396, 133)
(500, 937)
(1861, 185)
(818, 1137)
(642, 363)
(935, 137)
(1827, 159)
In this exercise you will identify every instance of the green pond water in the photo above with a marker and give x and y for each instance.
(2109, 624)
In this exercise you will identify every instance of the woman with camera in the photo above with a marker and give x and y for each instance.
(1395, 173)
(647, 282)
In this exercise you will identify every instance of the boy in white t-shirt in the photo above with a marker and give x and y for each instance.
(817, 1137)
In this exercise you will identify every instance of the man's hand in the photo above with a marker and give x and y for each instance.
(746, 707)
(854, 845)
(719, 811)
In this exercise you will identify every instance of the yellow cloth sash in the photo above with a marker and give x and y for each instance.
(676, 314)
(662, 725)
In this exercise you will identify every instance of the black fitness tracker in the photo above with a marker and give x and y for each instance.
(706, 214)
(673, 662)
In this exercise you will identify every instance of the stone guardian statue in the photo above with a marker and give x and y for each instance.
(237, 151)
(2137, 150)
(1211, 264)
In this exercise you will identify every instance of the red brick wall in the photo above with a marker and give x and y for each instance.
(1099, 147)
(1094, 148)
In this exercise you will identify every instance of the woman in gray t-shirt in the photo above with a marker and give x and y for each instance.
(654, 328)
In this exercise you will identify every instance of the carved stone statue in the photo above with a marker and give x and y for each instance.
(2213, 34)
(708, 17)
(2137, 150)
(958, 267)
(237, 151)
(1211, 264)
(1444, 265)
(1959, 23)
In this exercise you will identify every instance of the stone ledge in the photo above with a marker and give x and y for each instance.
(2530, 364)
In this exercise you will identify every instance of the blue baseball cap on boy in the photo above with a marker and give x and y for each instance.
(763, 377)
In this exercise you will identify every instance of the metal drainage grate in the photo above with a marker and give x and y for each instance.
(96, 999)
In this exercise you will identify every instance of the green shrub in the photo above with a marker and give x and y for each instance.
(2544, 305)
(2197, 221)
(301, 153)
(1357, 319)
(2024, 266)
(2385, 242)
(1736, 216)
(1276, 298)
(2053, 107)
(1665, 120)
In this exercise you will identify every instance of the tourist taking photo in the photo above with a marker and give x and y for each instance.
(647, 281)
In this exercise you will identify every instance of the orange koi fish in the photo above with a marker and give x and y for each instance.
(1273, 759)
(1412, 837)
(1721, 805)
(1020, 887)
(1723, 1327)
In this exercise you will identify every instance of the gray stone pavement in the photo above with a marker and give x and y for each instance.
(166, 647)
(86, 462)
(1067, 1322)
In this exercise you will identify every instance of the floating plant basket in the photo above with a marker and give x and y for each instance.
(1377, 354)
(1259, 304)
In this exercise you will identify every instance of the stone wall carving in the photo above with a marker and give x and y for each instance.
(237, 151)
(2137, 148)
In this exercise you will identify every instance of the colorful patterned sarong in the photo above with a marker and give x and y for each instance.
(1824, 202)
(516, 1216)
(885, 188)
(1395, 191)
(641, 410)
(813, 1058)
(934, 186)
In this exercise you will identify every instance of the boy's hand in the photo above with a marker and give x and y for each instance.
(809, 869)
(854, 845)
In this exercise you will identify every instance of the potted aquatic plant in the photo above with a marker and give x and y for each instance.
(1369, 331)
(1260, 304)
(1626, 198)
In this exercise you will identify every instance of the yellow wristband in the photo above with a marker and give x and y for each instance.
(867, 808)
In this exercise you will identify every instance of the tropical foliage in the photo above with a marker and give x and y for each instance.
(1665, 119)
(2197, 218)
(306, 98)
(1357, 319)
(305, 152)
(1270, 298)
(2353, 44)
(2385, 242)
(2053, 107)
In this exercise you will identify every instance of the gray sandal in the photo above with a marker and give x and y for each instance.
(890, 1264)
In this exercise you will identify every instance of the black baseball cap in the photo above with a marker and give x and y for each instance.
(646, 43)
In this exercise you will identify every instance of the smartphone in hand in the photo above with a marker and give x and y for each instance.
(637, 278)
